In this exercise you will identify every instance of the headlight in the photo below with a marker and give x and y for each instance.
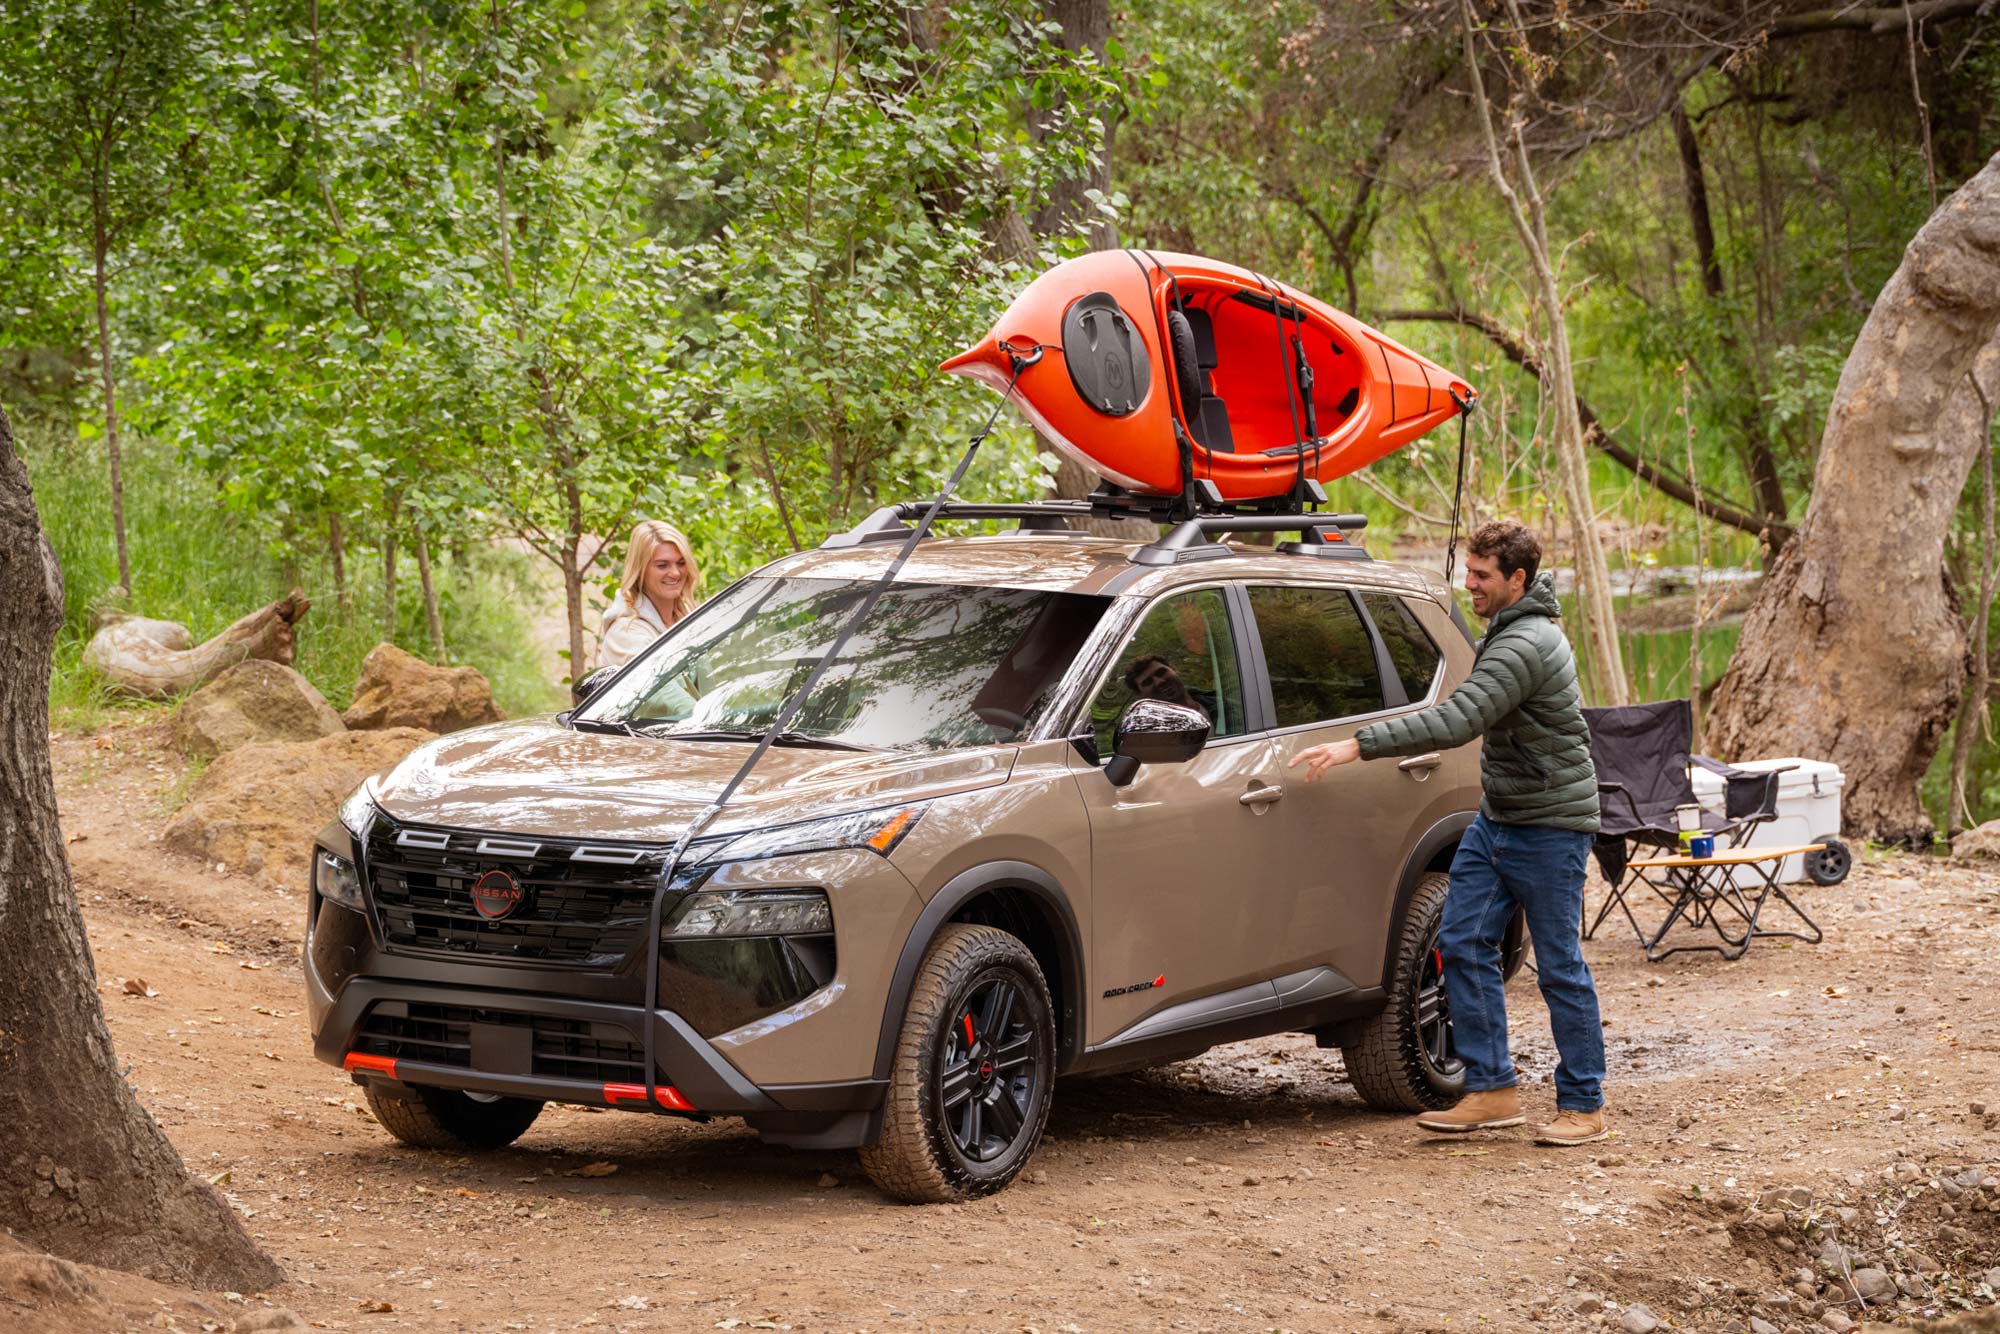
(337, 881)
(358, 811)
(879, 831)
(752, 912)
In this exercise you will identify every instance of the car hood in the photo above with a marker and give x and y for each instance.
(535, 777)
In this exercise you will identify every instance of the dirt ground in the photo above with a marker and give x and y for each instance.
(1785, 1125)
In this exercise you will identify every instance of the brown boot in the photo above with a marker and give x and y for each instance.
(1491, 1109)
(1572, 1128)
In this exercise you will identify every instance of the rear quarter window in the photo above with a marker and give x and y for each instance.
(1412, 653)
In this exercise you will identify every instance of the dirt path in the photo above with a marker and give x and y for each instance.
(1245, 1190)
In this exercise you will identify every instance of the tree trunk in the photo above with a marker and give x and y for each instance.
(1759, 462)
(389, 571)
(100, 250)
(1972, 718)
(1604, 664)
(147, 659)
(84, 1170)
(572, 573)
(430, 595)
(1853, 651)
(336, 546)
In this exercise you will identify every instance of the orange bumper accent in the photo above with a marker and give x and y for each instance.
(668, 1096)
(384, 1065)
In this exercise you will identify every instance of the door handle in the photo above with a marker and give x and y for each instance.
(1261, 796)
(1419, 766)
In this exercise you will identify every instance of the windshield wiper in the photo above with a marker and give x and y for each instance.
(615, 726)
(789, 737)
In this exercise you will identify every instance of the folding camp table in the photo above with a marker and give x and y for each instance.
(1706, 886)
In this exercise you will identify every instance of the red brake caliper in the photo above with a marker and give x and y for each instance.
(969, 1039)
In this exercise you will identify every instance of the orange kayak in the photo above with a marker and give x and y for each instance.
(1160, 369)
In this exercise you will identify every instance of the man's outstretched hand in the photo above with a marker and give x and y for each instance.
(1318, 759)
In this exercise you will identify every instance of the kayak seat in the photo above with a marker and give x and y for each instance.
(1211, 414)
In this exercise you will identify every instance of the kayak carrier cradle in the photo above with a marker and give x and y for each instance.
(1320, 536)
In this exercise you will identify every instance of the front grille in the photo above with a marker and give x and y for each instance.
(581, 905)
(502, 1042)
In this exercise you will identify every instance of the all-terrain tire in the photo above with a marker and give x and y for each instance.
(432, 1118)
(916, 1158)
(1388, 1066)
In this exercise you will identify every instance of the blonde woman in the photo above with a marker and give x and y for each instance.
(658, 588)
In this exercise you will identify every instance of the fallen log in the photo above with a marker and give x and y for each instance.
(141, 658)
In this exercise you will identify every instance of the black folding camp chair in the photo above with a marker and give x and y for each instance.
(1642, 753)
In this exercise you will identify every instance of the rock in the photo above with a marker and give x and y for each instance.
(1586, 1303)
(1981, 842)
(1638, 1320)
(253, 701)
(398, 690)
(276, 1320)
(1786, 1198)
(1762, 1326)
(1992, 1279)
(1875, 1285)
(1835, 1258)
(258, 806)
(43, 1280)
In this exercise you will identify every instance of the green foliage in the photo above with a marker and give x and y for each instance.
(202, 566)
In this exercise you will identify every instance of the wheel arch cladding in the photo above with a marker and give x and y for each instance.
(1433, 852)
(1015, 897)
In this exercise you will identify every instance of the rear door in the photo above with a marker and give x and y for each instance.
(1182, 856)
(1331, 670)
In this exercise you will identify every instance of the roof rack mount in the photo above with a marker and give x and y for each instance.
(1187, 540)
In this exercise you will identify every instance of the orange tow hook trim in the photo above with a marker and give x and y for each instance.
(668, 1096)
(357, 1060)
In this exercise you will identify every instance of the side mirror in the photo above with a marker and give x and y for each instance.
(1155, 732)
(581, 689)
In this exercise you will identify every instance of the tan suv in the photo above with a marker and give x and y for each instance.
(1035, 821)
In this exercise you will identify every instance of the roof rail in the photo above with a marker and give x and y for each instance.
(1187, 539)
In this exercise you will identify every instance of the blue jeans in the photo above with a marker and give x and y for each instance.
(1541, 869)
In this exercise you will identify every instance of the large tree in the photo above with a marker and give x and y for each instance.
(1854, 651)
(84, 1169)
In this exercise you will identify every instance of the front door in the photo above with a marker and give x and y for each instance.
(1178, 855)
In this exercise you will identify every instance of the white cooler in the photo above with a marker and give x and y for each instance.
(1808, 809)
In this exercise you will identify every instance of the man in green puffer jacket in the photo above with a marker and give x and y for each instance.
(1528, 846)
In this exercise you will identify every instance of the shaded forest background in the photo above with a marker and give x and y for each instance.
(334, 297)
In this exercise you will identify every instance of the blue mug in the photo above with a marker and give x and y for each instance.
(1702, 846)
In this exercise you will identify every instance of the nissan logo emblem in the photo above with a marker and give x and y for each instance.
(496, 895)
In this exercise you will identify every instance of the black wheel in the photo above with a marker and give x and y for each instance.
(974, 1068)
(431, 1118)
(1404, 1061)
(1830, 865)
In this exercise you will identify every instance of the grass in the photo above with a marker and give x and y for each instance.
(196, 562)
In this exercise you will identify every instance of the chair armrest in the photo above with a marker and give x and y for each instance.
(1717, 767)
(1603, 788)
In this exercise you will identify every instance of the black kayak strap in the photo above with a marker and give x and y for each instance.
(1457, 486)
(790, 712)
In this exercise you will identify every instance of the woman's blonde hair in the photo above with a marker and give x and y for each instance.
(648, 535)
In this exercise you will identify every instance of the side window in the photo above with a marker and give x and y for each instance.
(1321, 662)
(1182, 652)
(1415, 657)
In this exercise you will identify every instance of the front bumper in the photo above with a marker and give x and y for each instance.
(544, 1033)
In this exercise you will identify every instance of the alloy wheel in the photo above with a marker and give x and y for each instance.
(993, 1067)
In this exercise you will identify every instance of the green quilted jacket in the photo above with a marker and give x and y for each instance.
(1522, 697)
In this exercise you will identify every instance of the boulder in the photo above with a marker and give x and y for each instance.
(399, 690)
(1983, 841)
(257, 808)
(253, 701)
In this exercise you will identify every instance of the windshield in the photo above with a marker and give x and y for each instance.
(934, 666)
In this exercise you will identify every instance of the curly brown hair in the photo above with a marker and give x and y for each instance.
(1510, 545)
